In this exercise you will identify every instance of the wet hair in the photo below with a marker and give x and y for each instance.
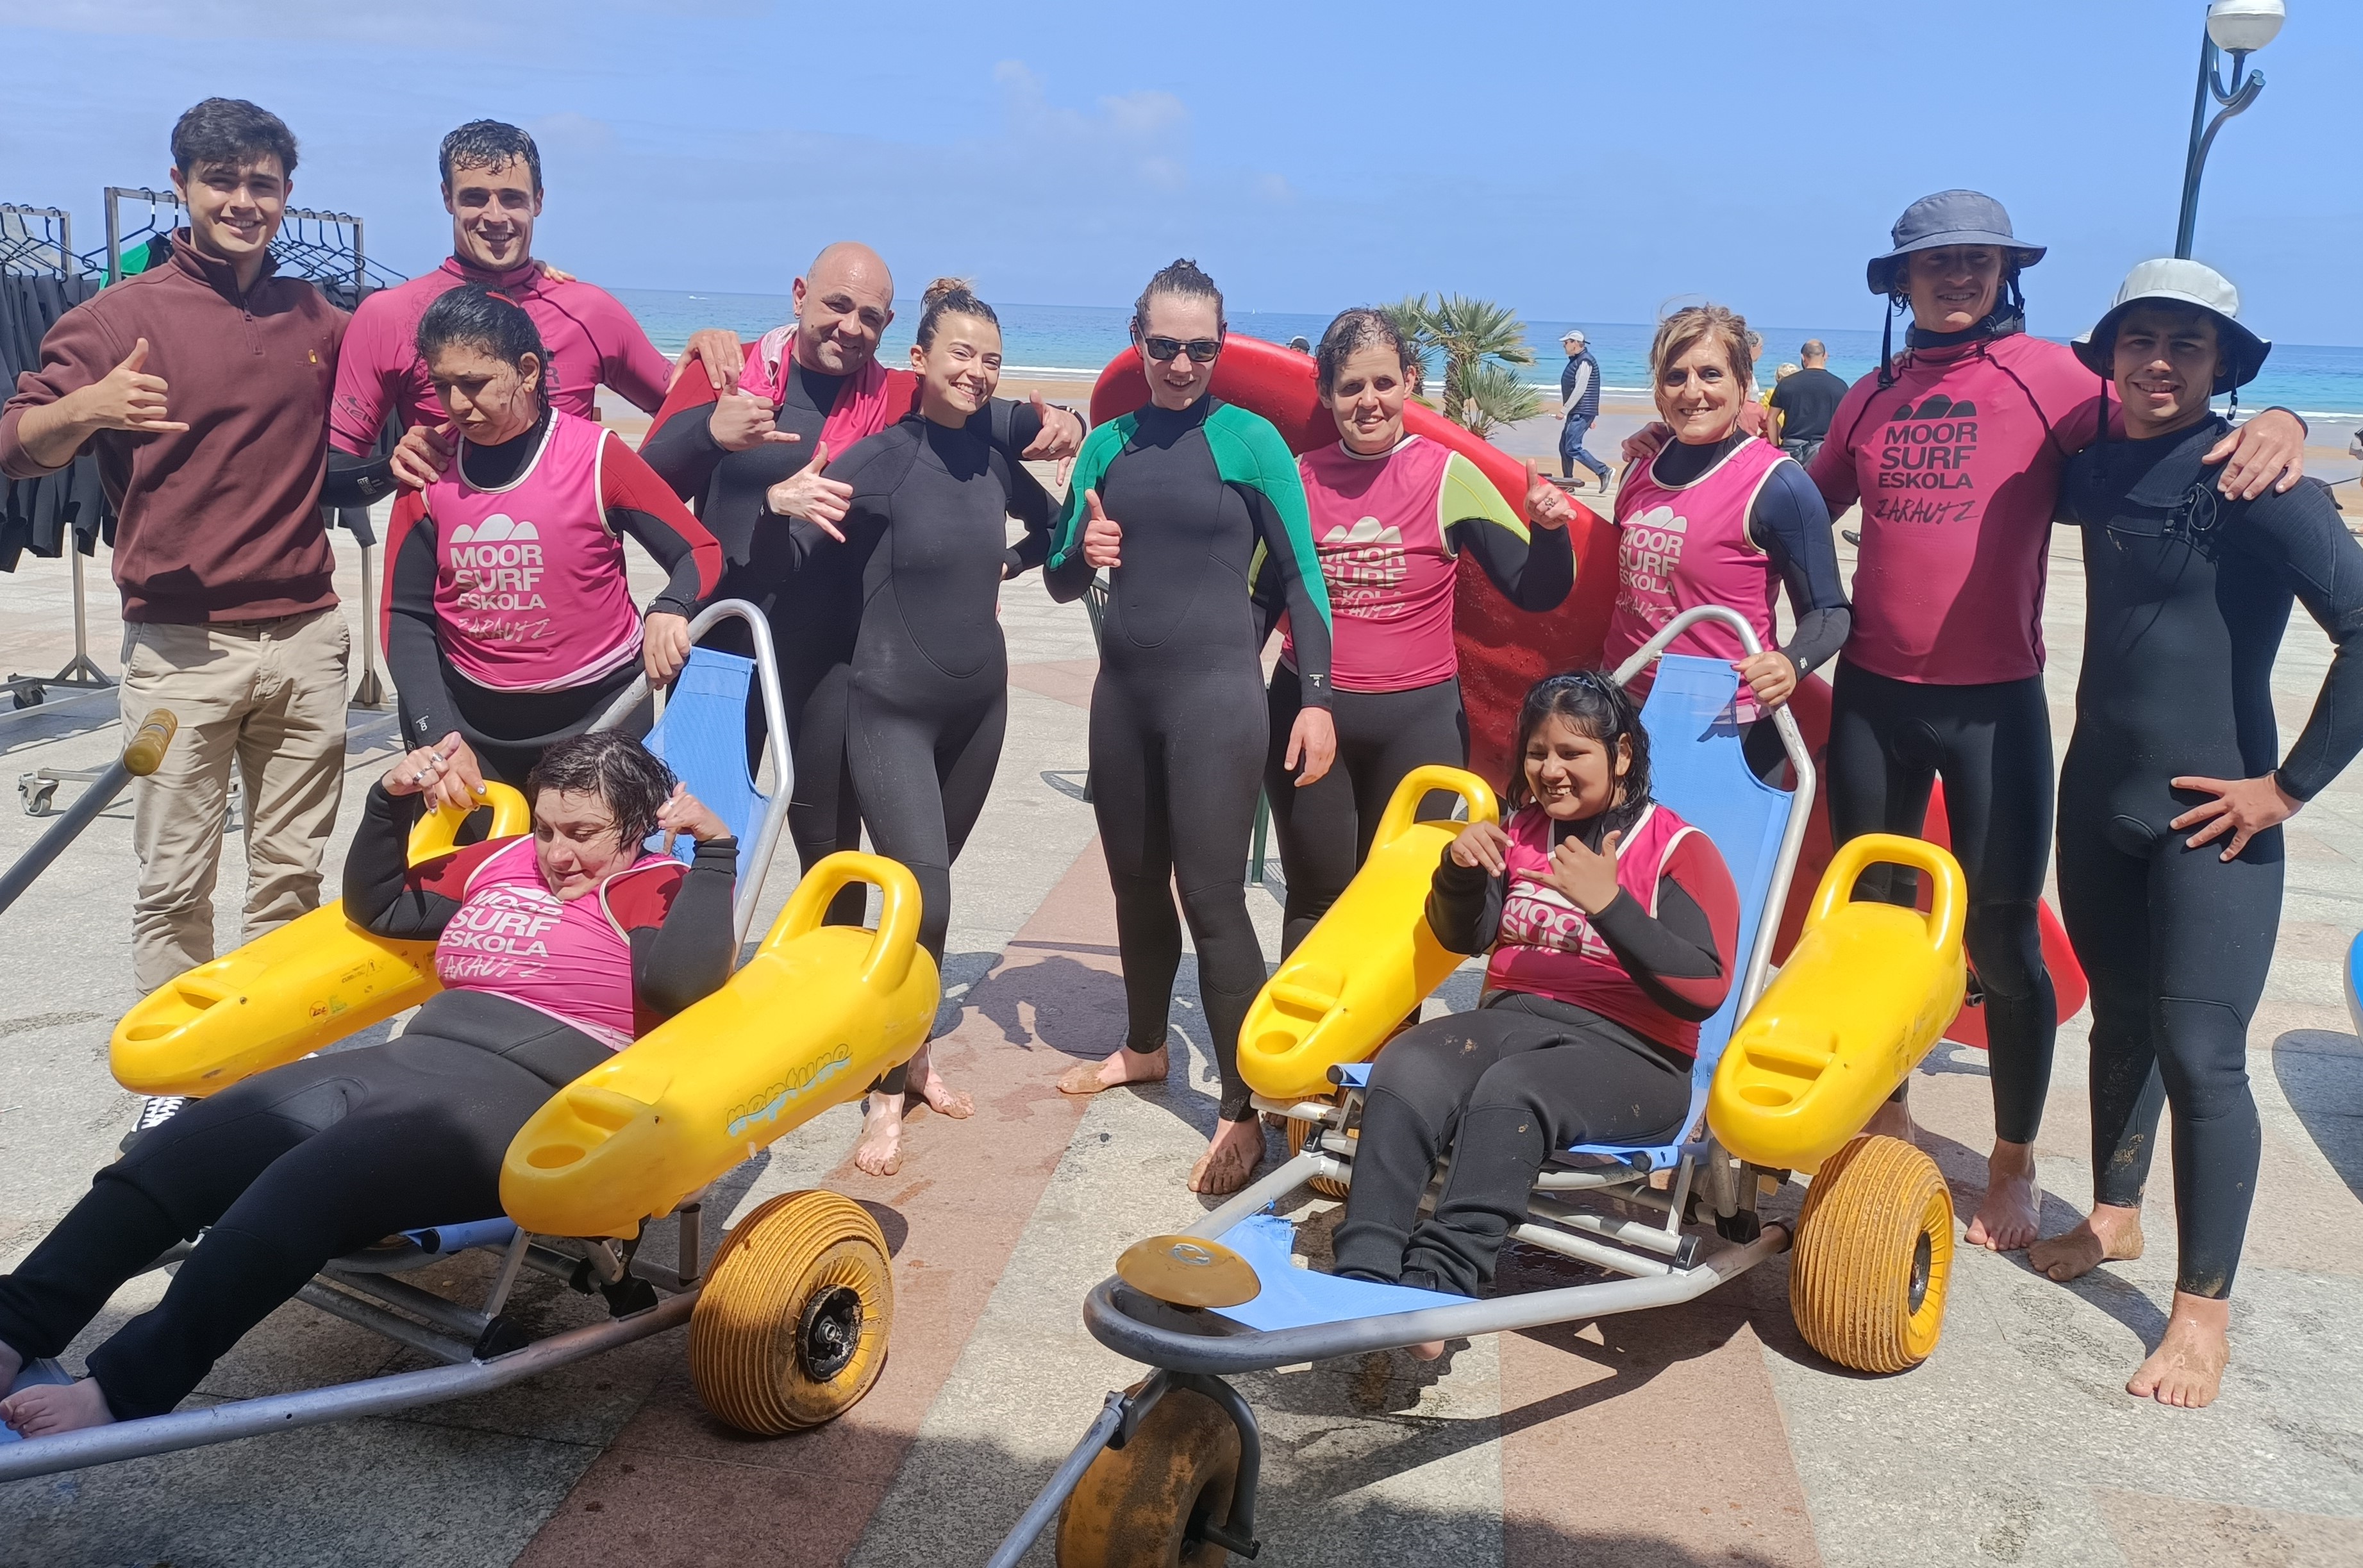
(1593, 705)
(949, 296)
(631, 781)
(1183, 280)
(231, 130)
(488, 144)
(1360, 328)
(1686, 328)
(484, 318)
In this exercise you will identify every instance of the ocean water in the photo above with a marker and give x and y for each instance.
(1077, 341)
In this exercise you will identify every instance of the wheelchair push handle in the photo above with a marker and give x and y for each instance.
(1948, 912)
(1403, 806)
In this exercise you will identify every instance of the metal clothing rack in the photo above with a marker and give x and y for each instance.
(40, 239)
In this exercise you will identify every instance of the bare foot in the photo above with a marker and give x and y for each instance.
(2187, 1368)
(1893, 1119)
(1231, 1159)
(2005, 1219)
(2108, 1235)
(1426, 1350)
(48, 1409)
(1127, 1066)
(880, 1152)
(941, 1098)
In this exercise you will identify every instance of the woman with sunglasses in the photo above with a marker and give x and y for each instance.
(1721, 518)
(1612, 924)
(1391, 515)
(1178, 503)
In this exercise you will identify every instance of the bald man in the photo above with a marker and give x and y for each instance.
(756, 455)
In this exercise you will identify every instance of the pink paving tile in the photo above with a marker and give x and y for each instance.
(2174, 1532)
(1068, 680)
(958, 1231)
(1670, 1415)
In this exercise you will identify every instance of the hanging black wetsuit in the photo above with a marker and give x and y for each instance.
(1177, 713)
(2186, 597)
(814, 613)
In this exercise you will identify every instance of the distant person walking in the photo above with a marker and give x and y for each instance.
(1579, 405)
(1805, 401)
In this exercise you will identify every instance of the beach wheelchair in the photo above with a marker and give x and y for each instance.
(788, 1322)
(1167, 1472)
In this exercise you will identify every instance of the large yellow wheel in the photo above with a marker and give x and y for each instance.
(1298, 1134)
(1874, 1249)
(790, 1328)
(1140, 1506)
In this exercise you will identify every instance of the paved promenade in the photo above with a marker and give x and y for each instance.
(1703, 1434)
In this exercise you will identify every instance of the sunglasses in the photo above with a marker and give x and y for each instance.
(1202, 350)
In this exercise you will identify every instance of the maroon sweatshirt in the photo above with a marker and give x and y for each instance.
(220, 522)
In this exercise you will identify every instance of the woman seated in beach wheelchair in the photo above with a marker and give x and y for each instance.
(554, 951)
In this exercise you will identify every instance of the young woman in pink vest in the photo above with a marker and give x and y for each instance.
(553, 950)
(1719, 516)
(1612, 924)
(508, 615)
(1391, 515)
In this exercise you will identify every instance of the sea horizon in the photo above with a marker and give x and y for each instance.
(1049, 342)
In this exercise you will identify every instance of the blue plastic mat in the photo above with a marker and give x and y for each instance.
(35, 1374)
(1297, 1298)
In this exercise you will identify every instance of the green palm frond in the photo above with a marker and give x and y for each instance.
(1490, 395)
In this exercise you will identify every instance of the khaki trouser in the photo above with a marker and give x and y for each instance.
(270, 696)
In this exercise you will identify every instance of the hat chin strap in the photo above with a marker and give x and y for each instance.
(2007, 319)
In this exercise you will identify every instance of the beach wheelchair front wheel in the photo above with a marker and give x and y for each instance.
(1144, 1504)
(790, 1328)
(1873, 1253)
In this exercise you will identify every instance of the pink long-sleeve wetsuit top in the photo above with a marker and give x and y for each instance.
(592, 341)
(1957, 467)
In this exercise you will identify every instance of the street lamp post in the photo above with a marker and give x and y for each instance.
(2237, 27)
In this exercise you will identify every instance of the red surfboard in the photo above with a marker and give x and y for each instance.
(1505, 650)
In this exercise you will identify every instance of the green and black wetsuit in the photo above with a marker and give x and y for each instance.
(1207, 497)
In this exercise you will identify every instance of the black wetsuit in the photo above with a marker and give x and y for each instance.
(1789, 522)
(291, 1168)
(816, 612)
(2186, 597)
(929, 699)
(1178, 719)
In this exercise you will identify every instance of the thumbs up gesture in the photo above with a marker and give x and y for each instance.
(1103, 535)
(1587, 877)
(811, 494)
(127, 399)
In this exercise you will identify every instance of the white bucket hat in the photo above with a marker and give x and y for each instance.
(2172, 280)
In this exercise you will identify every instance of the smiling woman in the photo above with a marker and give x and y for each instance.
(923, 530)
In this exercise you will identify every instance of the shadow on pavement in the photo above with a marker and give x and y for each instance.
(2321, 1074)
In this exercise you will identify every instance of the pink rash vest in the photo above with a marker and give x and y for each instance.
(1384, 528)
(570, 959)
(1957, 465)
(592, 341)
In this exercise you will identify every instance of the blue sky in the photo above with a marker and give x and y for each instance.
(1575, 161)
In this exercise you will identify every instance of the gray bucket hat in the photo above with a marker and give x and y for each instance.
(1950, 218)
(2172, 281)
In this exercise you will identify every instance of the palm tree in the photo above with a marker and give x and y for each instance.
(1478, 341)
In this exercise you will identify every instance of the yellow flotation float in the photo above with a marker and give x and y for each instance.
(810, 1021)
(1867, 991)
(1363, 969)
(307, 984)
